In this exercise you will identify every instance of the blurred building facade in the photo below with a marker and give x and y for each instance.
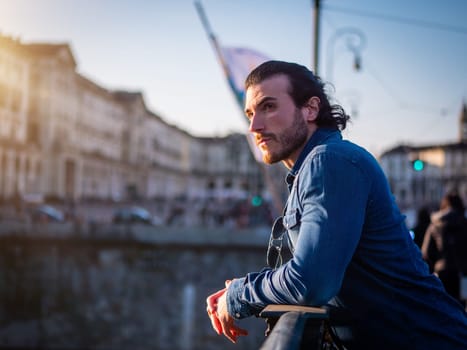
(63, 136)
(420, 175)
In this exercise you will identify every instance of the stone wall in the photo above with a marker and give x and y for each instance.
(94, 292)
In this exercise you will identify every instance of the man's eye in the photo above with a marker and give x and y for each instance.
(268, 106)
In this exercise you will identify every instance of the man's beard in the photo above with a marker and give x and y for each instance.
(290, 139)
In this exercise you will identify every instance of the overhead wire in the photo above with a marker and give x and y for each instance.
(392, 18)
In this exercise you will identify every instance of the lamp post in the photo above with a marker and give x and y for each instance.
(355, 42)
(317, 16)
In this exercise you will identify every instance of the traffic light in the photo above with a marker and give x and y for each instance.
(418, 165)
(256, 201)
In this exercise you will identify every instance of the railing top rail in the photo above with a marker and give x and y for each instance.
(289, 330)
(287, 333)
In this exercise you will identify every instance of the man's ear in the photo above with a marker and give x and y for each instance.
(312, 108)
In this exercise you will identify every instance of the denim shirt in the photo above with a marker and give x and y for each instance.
(354, 254)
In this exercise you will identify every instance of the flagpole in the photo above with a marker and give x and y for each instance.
(213, 40)
(209, 32)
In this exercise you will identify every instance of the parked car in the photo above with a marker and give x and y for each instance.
(135, 215)
(47, 213)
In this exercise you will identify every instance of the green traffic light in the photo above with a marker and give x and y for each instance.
(256, 201)
(418, 165)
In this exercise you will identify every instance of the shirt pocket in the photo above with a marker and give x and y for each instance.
(291, 221)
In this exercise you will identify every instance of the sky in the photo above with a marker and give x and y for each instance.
(410, 87)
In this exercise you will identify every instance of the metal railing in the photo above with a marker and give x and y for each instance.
(294, 327)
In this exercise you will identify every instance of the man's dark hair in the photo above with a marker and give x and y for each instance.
(303, 85)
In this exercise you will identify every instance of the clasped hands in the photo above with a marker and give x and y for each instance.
(221, 321)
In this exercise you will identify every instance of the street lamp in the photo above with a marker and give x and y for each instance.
(355, 42)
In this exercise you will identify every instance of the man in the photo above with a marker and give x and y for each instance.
(351, 249)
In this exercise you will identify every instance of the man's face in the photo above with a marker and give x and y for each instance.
(279, 127)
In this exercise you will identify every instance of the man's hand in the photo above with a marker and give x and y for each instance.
(212, 302)
(229, 329)
(221, 321)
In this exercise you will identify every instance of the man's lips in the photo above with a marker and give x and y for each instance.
(263, 140)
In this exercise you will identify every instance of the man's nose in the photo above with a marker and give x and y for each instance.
(256, 123)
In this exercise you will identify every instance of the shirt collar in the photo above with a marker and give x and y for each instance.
(316, 138)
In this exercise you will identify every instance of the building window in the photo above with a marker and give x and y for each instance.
(3, 96)
(33, 133)
(16, 101)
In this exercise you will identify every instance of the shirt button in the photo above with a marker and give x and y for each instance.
(237, 315)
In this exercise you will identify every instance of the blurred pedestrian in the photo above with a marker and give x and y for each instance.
(351, 250)
(423, 221)
(445, 244)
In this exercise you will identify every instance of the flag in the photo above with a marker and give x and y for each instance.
(238, 63)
